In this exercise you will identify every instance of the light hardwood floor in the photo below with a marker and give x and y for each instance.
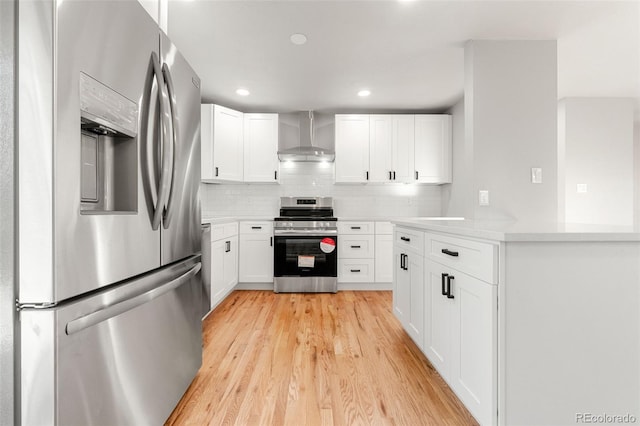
(313, 359)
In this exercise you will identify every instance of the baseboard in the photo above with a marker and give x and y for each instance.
(365, 286)
(341, 286)
(254, 286)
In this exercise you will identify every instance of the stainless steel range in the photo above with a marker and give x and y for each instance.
(306, 246)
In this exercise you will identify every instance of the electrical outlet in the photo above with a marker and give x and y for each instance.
(483, 197)
(581, 188)
(536, 175)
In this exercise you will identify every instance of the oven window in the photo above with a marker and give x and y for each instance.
(305, 256)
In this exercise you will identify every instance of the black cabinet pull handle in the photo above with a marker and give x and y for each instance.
(228, 246)
(416, 175)
(405, 239)
(449, 279)
(355, 227)
(402, 255)
(450, 253)
(444, 284)
(216, 171)
(256, 227)
(355, 270)
(271, 241)
(367, 175)
(394, 175)
(275, 175)
(390, 175)
(355, 247)
(406, 265)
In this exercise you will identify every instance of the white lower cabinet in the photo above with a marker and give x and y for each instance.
(408, 288)
(256, 252)
(224, 261)
(384, 252)
(356, 251)
(460, 336)
(450, 314)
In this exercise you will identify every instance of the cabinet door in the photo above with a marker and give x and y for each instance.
(384, 258)
(401, 288)
(415, 319)
(218, 283)
(433, 148)
(437, 320)
(403, 149)
(256, 258)
(380, 148)
(227, 144)
(260, 147)
(206, 137)
(474, 363)
(231, 263)
(352, 148)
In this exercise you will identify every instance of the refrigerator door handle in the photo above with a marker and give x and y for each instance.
(174, 140)
(167, 153)
(119, 308)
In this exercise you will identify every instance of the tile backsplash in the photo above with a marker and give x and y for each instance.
(317, 179)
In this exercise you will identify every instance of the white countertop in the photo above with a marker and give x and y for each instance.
(518, 231)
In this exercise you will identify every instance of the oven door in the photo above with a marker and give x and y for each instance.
(305, 256)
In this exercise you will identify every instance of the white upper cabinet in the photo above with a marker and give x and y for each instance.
(433, 148)
(391, 148)
(238, 147)
(206, 147)
(402, 148)
(352, 148)
(260, 147)
(227, 131)
(380, 148)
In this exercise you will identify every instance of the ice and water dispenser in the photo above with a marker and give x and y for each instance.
(109, 152)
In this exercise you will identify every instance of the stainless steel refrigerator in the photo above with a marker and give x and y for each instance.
(109, 237)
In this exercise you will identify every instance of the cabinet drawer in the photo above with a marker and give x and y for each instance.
(255, 228)
(475, 258)
(355, 270)
(384, 228)
(355, 228)
(409, 239)
(225, 230)
(356, 247)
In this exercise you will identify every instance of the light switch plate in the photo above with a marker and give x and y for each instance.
(581, 188)
(536, 175)
(483, 197)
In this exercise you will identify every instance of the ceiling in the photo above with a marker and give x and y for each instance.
(410, 54)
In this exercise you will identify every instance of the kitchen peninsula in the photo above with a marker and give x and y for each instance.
(528, 324)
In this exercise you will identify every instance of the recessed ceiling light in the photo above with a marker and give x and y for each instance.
(242, 92)
(364, 93)
(298, 39)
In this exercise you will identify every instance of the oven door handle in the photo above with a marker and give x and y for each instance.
(314, 232)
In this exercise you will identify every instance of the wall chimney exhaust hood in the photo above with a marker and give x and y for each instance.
(305, 136)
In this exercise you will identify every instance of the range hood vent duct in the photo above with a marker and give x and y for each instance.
(308, 137)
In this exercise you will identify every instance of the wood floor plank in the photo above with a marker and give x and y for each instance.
(313, 359)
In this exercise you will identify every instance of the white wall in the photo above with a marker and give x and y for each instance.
(596, 148)
(511, 126)
(636, 168)
(458, 197)
(316, 179)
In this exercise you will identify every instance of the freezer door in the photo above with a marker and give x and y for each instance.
(181, 234)
(86, 198)
(122, 357)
